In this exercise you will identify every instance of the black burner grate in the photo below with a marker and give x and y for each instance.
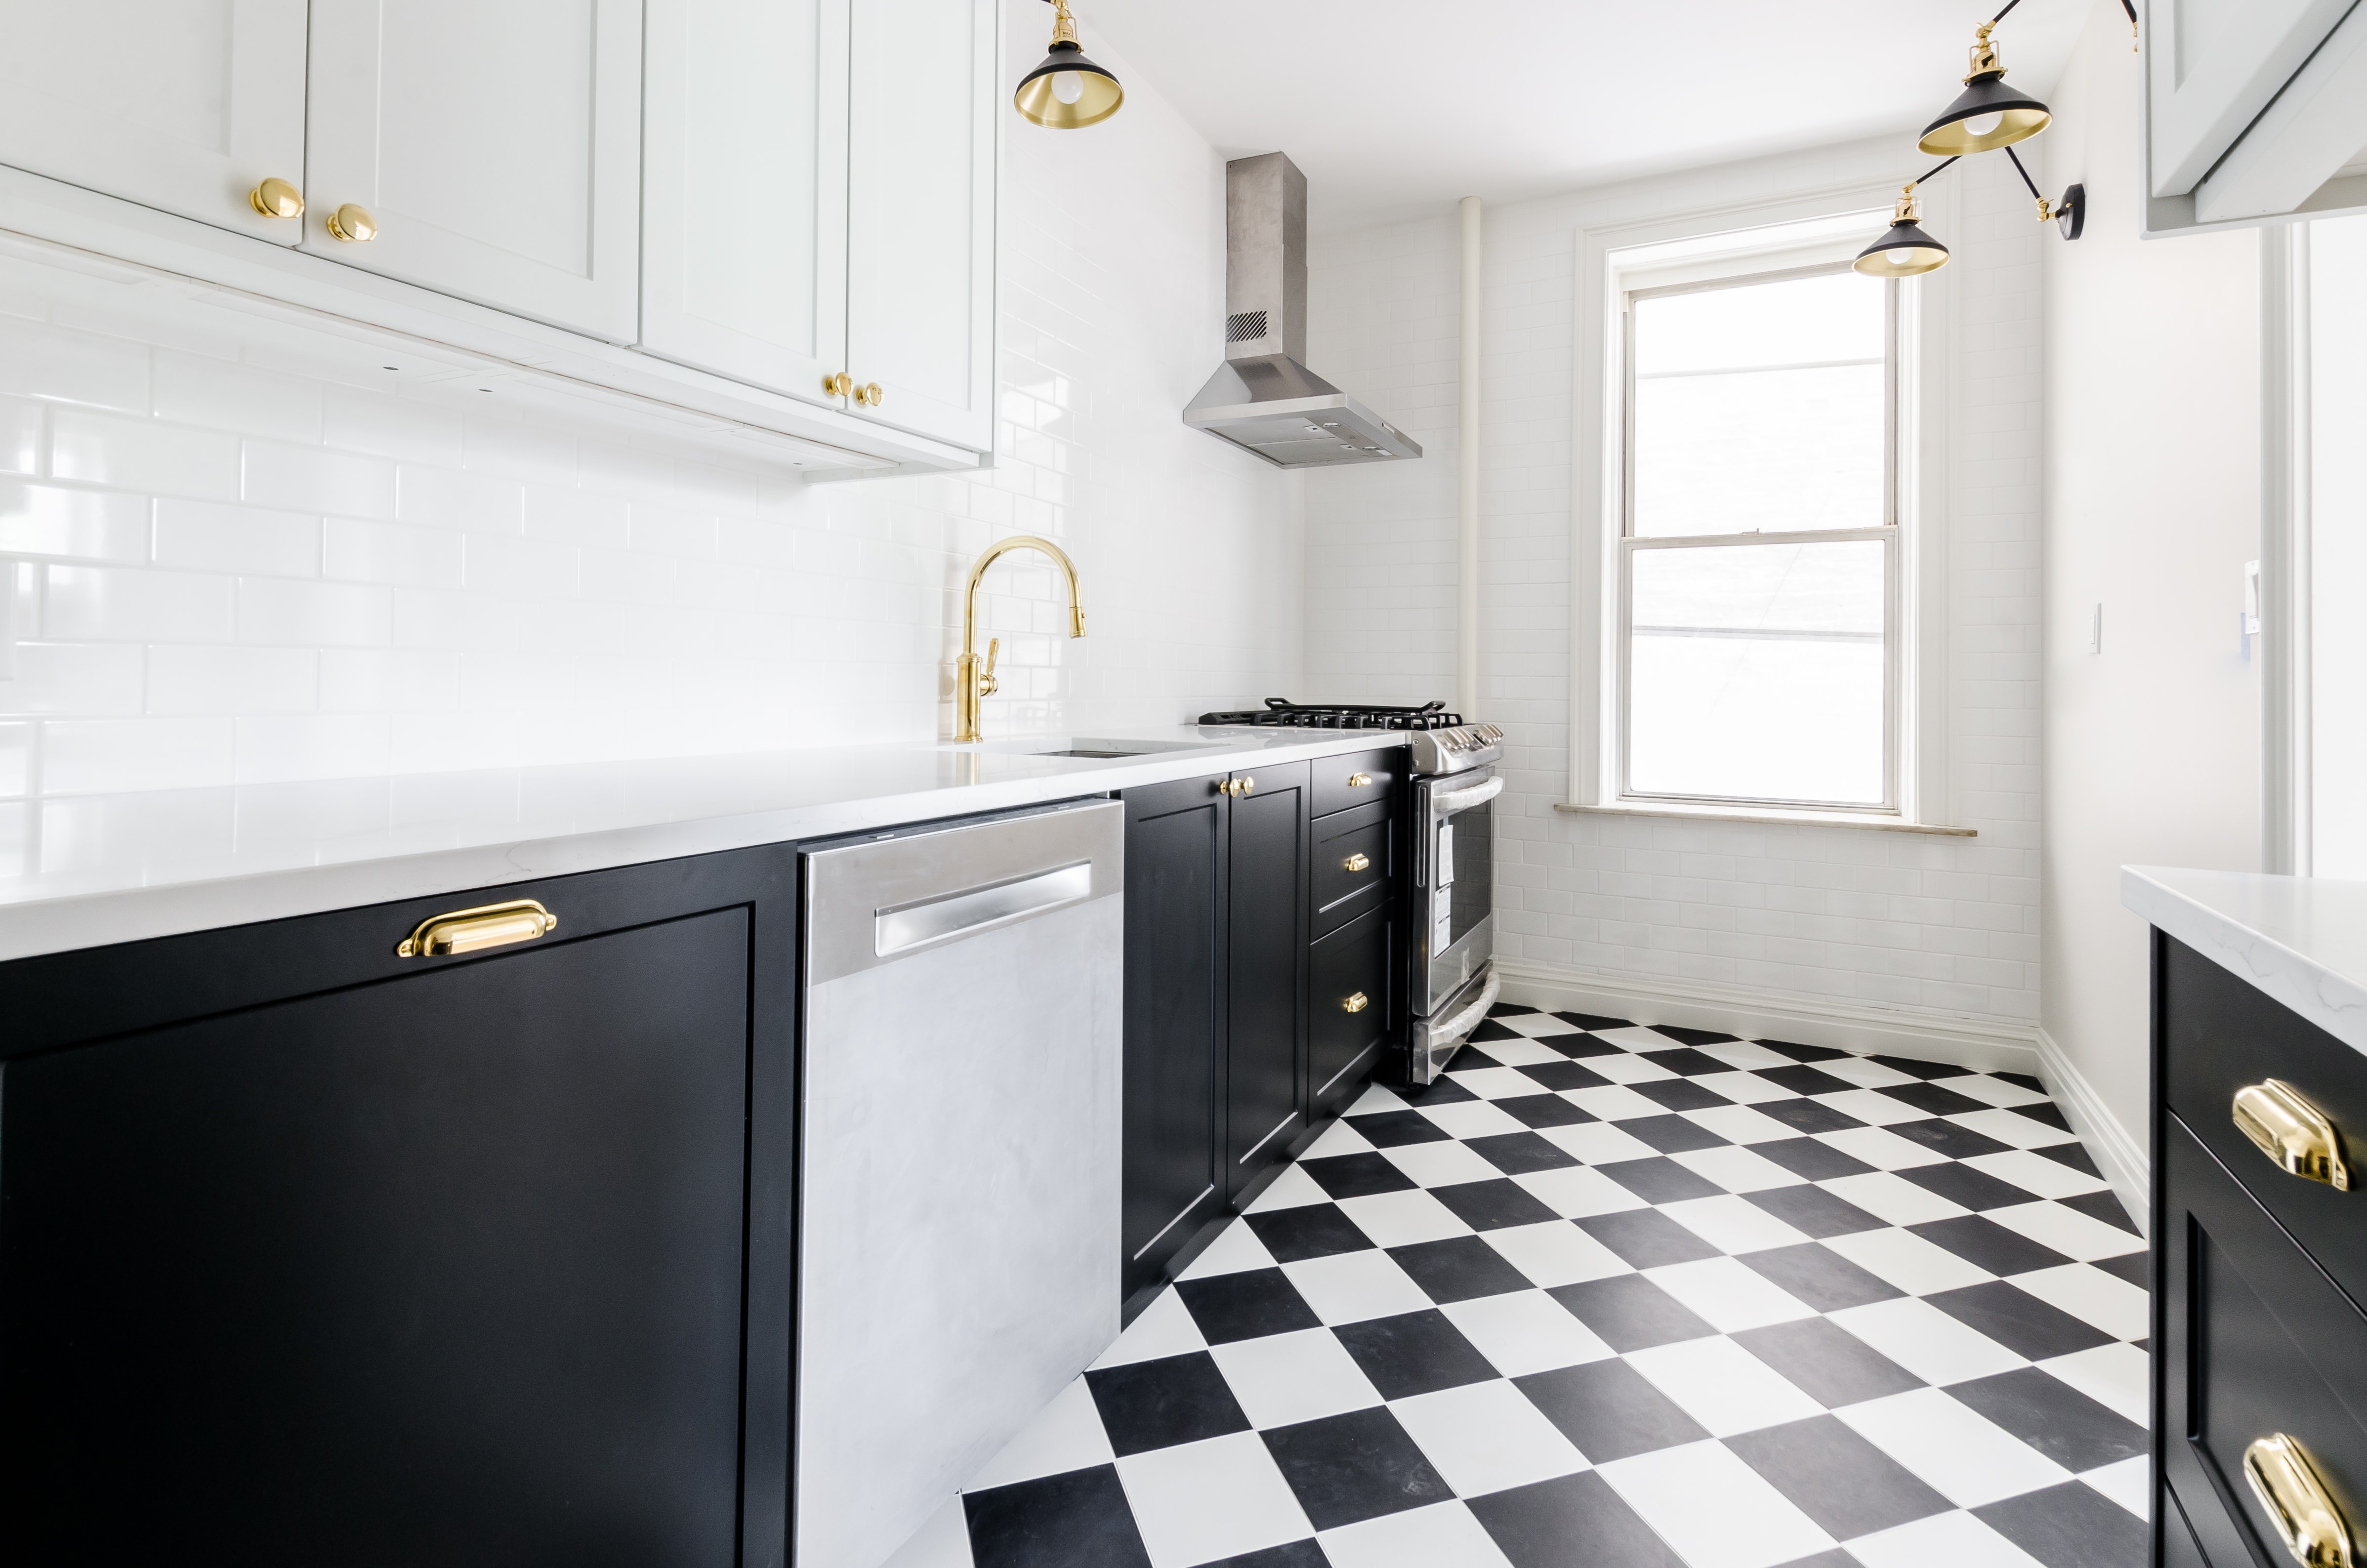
(1282, 712)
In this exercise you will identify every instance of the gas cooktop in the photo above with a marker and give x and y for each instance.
(1280, 712)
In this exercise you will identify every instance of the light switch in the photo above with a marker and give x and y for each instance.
(2096, 629)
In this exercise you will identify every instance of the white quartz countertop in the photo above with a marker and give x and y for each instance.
(2300, 939)
(123, 868)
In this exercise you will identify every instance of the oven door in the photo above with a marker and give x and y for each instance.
(1451, 924)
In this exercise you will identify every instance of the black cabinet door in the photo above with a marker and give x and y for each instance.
(1265, 1048)
(1177, 865)
(445, 1263)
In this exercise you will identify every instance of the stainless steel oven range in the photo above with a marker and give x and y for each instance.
(1451, 926)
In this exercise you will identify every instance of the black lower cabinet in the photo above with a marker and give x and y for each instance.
(311, 1254)
(1350, 1015)
(1265, 1041)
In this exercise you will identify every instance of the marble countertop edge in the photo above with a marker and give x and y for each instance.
(2302, 940)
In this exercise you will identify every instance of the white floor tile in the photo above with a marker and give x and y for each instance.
(1723, 1386)
(1350, 1287)
(1556, 1252)
(1533, 1025)
(2129, 1484)
(1340, 1138)
(1235, 1250)
(1637, 1037)
(1740, 1124)
(1525, 1331)
(1883, 1150)
(1576, 1191)
(2067, 1231)
(1736, 1168)
(1732, 1224)
(1730, 1296)
(1880, 1110)
(1443, 1535)
(2094, 1296)
(1522, 1053)
(2007, 1126)
(1283, 1379)
(1401, 1219)
(1486, 1437)
(1165, 1328)
(1066, 1434)
(1630, 1069)
(1943, 1540)
(1863, 1071)
(2117, 1376)
(2037, 1174)
(1294, 1188)
(1927, 1341)
(1908, 1261)
(1963, 1456)
(1745, 1053)
(1995, 1091)
(1614, 1102)
(1474, 1118)
(1377, 1098)
(1744, 1088)
(1597, 1142)
(1170, 1491)
(1495, 1084)
(1893, 1197)
(1714, 1510)
(942, 1542)
(1440, 1165)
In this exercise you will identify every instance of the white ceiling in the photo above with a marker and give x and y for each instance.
(1397, 108)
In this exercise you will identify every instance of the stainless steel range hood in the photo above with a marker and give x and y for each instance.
(1264, 397)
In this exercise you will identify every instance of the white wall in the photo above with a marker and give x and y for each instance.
(1844, 918)
(242, 555)
(2338, 528)
(2153, 496)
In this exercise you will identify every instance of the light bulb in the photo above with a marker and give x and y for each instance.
(1069, 86)
(1982, 124)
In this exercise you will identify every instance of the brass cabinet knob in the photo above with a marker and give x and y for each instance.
(871, 394)
(2296, 1501)
(471, 930)
(1245, 787)
(1356, 862)
(839, 384)
(2291, 1130)
(274, 198)
(353, 224)
(1356, 1004)
(1359, 781)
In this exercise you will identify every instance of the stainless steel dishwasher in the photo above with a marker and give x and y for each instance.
(959, 1206)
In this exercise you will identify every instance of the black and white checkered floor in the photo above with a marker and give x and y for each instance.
(1608, 1295)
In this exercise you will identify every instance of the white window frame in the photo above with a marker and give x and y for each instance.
(1762, 241)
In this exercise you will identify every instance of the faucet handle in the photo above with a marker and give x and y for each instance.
(987, 684)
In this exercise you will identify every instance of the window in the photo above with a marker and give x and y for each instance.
(1758, 597)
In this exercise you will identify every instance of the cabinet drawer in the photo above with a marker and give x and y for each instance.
(2255, 1341)
(2220, 1036)
(1336, 779)
(1351, 1003)
(1352, 865)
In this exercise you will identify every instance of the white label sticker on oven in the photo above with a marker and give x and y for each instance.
(1442, 920)
(1442, 874)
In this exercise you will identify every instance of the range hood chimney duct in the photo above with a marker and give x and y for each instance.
(1263, 398)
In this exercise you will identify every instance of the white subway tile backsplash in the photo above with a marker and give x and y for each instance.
(202, 679)
(39, 360)
(108, 603)
(87, 525)
(282, 749)
(142, 454)
(453, 498)
(206, 536)
(313, 614)
(193, 390)
(85, 757)
(310, 479)
(393, 554)
(76, 678)
(355, 420)
(20, 436)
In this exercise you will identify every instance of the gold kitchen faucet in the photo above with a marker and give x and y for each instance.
(973, 684)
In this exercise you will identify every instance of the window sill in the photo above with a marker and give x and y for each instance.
(1771, 818)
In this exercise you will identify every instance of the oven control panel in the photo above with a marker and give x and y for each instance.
(1455, 750)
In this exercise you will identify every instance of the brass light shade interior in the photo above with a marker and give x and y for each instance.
(1988, 114)
(1067, 92)
(1904, 250)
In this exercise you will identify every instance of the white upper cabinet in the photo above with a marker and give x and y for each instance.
(921, 229)
(2255, 109)
(180, 105)
(495, 145)
(743, 205)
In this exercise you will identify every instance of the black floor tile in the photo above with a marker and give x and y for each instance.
(1492, 1205)
(1679, 1094)
(1985, 1244)
(2105, 1206)
(2074, 1155)
(1935, 1098)
(1582, 1047)
(2137, 1268)
(1248, 1306)
(1394, 1129)
(1352, 1467)
(1490, 1030)
(1814, 1211)
(1686, 1062)
(1627, 1311)
(1519, 1154)
(1572, 1521)
(1589, 1021)
(1915, 1069)
(1646, 1238)
(2070, 1526)
(1694, 1037)
(1310, 1230)
(1414, 1353)
(1836, 1477)
(1560, 1076)
(1826, 1362)
(1946, 1138)
(1807, 1116)
(2020, 1080)
(1471, 1058)
(2054, 1418)
(1808, 1158)
(1296, 1554)
(1802, 1052)
(1608, 1410)
(1514, 1010)
(2047, 1113)
(1355, 1175)
(1820, 1277)
(1459, 1268)
(2019, 1321)
(1661, 1180)
(1157, 1405)
(1966, 1186)
(1672, 1134)
(1079, 1519)
(1543, 1110)
(1804, 1080)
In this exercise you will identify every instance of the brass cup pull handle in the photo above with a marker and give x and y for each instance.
(1356, 862)
(838, 384)
(353, 224)
(1356, 1004)
(2291, 1130)
(274, 198)
(871, 394)
(1359, 781)
(472, 930)
(2296, 1501)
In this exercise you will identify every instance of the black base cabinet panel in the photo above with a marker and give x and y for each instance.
(314, 1254)
(1351, 1014)
(1265, 1041)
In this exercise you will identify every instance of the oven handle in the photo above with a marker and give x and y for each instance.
(1455, 800)
(1464, 1022)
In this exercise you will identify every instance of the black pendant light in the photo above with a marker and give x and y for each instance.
(1904, 250)
(1067, 92)
(1988, 113)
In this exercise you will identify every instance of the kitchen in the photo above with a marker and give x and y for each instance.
(604, 496)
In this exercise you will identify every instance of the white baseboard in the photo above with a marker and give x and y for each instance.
(1986, 1045)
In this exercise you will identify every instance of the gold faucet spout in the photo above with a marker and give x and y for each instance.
(973, 684)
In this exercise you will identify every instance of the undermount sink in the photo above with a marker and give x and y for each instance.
(1086, 751)
(1099, 748)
